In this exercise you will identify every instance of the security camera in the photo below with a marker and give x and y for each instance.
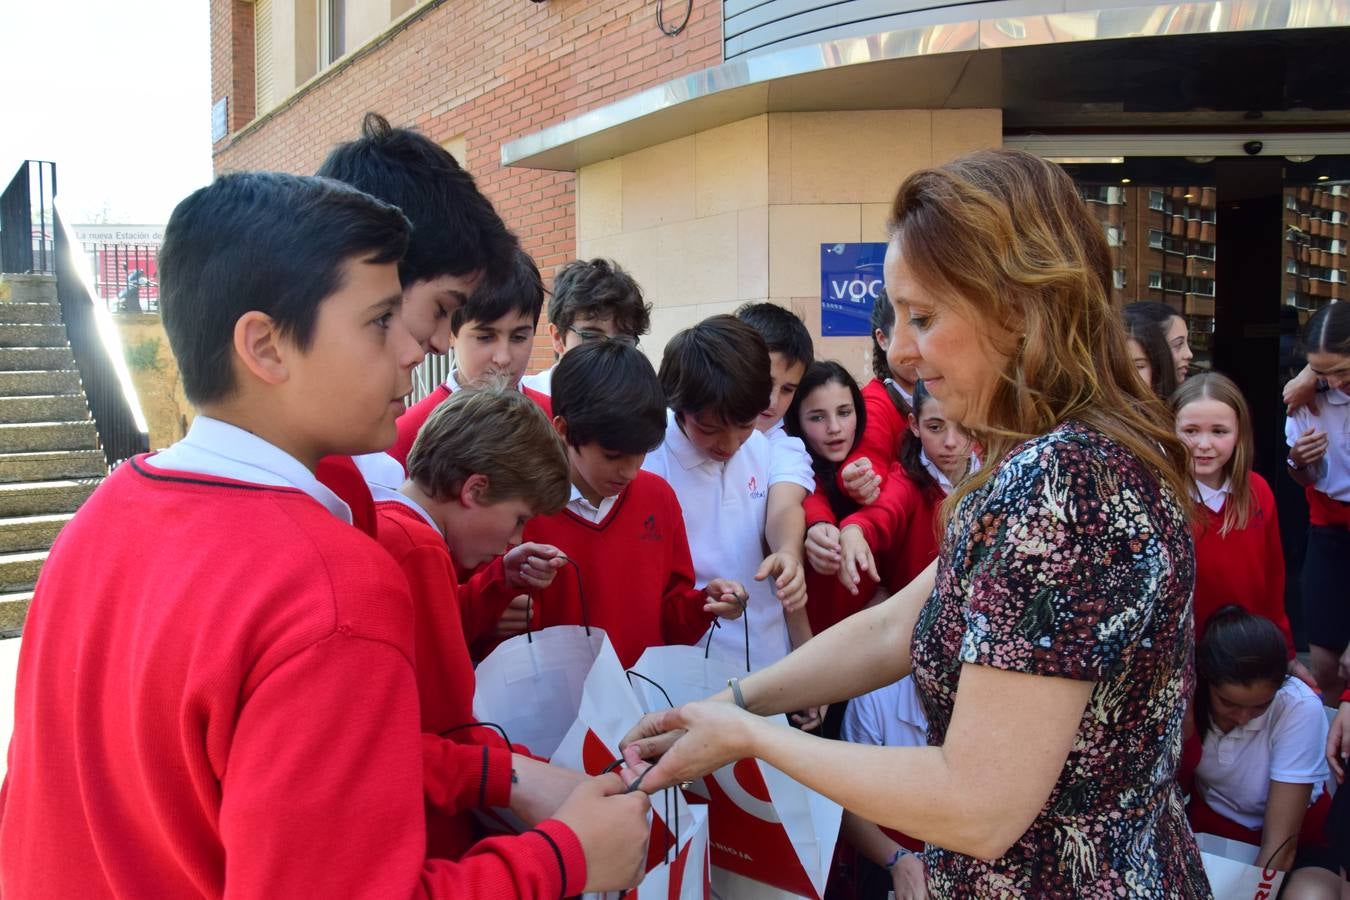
(1253, 148)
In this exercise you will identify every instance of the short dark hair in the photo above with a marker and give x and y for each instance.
(261, 241)
(455, 229)
(883, 320)
(598, 289)
(721, 365)
(518, 288)
(783, 331)
(609, 395)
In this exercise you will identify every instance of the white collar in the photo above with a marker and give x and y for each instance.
(1213, 498)
(400, 497)
(587, 510)
(1337, 397)
(938, 475)
(684, 450)
(908, 395)
(213, 447)
(452, 382)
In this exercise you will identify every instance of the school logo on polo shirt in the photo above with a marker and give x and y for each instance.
(753, 487)
(649, 530)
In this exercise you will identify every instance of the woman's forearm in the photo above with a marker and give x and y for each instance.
(868, 650)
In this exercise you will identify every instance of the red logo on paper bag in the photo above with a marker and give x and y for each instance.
(745, 834)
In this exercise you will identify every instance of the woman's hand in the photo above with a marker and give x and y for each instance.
(691, 741)
(822, 548)
(855, 558)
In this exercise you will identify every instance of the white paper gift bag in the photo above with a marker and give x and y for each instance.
(762, 824)
(1234, 872)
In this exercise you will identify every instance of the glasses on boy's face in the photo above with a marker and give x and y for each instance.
(590, 337)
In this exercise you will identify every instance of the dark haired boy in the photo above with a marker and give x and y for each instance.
(715, 377)
(213, 703)
(492, 334)
(592, 300)
(456, 237)
(622, 528)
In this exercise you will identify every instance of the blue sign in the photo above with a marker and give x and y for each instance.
(850, 281)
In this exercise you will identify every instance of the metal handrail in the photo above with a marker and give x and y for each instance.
(93, 336)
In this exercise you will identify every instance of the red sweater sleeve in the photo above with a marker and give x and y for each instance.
(683, 620)
(463, 776)
(884, 521)
(880, 441)
(1274, 560)
(411, 422)
(483, 598)
(326, 754)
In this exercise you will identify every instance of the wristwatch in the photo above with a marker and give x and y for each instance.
(1293, 466)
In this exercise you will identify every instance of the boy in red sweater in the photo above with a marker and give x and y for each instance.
(486, 460)
(457, 237)
(622, 528)
(493, 334)
(224, 702)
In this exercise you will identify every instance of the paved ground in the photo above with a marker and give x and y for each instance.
(9, 661)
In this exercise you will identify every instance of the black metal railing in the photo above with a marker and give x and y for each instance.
(125, 275)
(27, 225)
(97, 351)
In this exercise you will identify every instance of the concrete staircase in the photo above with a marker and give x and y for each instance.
(50, 460)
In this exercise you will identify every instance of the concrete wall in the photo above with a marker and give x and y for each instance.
(738, 213)
(159, 386)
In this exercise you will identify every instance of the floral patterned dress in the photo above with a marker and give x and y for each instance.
(1072, 562)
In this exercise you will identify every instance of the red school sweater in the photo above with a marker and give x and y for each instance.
(222, 700)
(480, 764)
(1245, 566)
(634, 568)
(416, 415)
(341, 476)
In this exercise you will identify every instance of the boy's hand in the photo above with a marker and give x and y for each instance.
(1338, 741)
(726, 599)
(810, 719)
(516, 618)
(611, 825)
(822, 548)
(531, 567)
(539, 789)
(909, 880)
(789, 579)
(855, 559)
(1310, 447)
(861, 482)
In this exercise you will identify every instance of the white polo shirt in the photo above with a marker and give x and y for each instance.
(891, 716)
(789, 460)
(1333, 417)
(1285, 743)
(724, 506)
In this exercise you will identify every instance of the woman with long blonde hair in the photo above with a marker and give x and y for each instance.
(1060, 603)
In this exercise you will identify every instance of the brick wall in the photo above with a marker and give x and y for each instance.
(489, 70)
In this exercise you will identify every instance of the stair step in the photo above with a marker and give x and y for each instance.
(32, 335)
(38, 498)
(52, 465)
(13, 610)
(21, 533)
(43, 408)
(31, 288)
(19, 571)
(25, 437)
(30, 313)
(29, 358)
(28, 383)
